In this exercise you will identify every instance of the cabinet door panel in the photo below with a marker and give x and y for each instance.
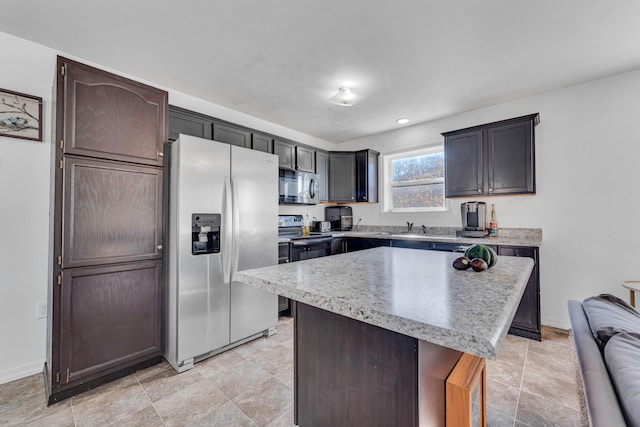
(112, 212)
(188, 124)
(109, 316)
(305, 159)
(322, 169)
(367, 176)
(286, 154)
(110, 117)
(342, 177)
(510, 158)
(261, 143)
(463, 154)
(231, 135)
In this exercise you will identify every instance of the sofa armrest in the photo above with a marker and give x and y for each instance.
(601, 399)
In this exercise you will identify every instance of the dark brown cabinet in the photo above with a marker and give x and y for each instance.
(295, 157)
(113, 212)
(105, 294)
(353, 176)
(367, 176)
(99, 306)
(493, 159)
(322, 169)
(352, 244)
(262, 143)
(526, 321)
(189, 123)
(231, 135)
(109, 117)
(342, 176)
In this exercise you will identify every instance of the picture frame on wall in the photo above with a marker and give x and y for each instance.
(20, 115)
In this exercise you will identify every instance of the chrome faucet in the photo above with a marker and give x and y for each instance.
(424, 230)
(409, 227)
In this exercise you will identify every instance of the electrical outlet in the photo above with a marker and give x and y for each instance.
(41, 310)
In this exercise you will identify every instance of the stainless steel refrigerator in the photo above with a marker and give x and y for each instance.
(223, 218)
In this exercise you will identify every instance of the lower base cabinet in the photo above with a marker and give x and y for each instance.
(111, 319)
(526, 322)
(351, 244)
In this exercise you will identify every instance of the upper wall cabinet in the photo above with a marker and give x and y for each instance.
(262, 142)
(231, 135)
(322, 169)
(367, 176)
(132, 132)
(294, 157)
(188, 123)
(493, 159)
(353, 176)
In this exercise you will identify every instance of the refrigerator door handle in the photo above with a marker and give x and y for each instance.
(235, 227)
(227, 209)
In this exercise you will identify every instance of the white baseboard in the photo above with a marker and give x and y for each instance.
(21, 371)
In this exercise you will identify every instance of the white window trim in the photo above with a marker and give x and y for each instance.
(386, 179)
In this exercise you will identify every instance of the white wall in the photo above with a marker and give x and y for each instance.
(588, 187)
(24, 201)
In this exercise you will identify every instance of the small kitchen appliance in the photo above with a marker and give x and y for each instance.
(474, 218)
(298, 188)
(340, 217)
(321, 226)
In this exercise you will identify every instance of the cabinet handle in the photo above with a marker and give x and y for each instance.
(160, 154)
(159, 247)
(491, 190)
(479, 190)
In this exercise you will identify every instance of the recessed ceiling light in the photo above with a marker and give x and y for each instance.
(345, 97)
(402, 121)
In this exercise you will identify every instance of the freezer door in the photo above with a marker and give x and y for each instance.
(255, 243)
(203, 294)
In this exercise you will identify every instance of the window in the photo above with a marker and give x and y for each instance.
(414, 181)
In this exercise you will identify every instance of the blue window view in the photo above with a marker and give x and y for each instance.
(418, 181)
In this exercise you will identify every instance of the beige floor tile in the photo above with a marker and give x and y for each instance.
(190, 404)
(165, 382)
(265, 402)
(540, 412)
(225, 415)
(219, 362)
(252, 347)
(502, 398)
(551, 364)
(146, 417)
(239, 378)
(286, 376)
(152, 370)
(496, 419)
(122, 383)
(505, 372)
(28, 402)
(551, 387)
(115, 404)
(273, 359)
(284, 420)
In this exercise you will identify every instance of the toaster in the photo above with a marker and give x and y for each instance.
(321, 226)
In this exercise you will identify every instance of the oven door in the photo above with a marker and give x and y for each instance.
(302, 249)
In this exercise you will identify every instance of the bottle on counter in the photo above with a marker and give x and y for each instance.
(493, 224)
(305, 226)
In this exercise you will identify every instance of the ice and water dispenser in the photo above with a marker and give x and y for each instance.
(205, 233)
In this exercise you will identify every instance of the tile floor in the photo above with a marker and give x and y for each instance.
(531, 384)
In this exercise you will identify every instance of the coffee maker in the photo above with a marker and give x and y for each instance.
(474, 218)
(340, 217)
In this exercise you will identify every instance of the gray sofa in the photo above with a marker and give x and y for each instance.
(606, 332)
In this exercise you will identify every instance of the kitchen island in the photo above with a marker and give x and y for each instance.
(378, 331)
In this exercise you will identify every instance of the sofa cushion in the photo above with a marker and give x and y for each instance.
(621, 356)
(609, 315)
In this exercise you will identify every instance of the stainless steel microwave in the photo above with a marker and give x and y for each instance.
(298, 188)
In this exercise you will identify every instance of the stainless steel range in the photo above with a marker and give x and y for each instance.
(302, 247)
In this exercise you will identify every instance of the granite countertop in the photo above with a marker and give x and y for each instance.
(500, 240)
(413, 292)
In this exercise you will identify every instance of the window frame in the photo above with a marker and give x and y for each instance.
(388, 185)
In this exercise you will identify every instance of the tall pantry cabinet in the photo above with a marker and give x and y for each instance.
(105, 292)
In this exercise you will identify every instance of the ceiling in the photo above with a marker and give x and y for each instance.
(281, 60)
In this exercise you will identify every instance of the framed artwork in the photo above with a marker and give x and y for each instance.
(20, 115)
(466, 393)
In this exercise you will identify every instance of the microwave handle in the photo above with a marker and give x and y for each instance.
(312, 193)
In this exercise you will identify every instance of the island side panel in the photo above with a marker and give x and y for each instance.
(351, 373)
(435, 363)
